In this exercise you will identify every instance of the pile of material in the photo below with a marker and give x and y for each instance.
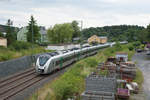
(99, 88)
(123, 93)
(127, 70)
(112, 79)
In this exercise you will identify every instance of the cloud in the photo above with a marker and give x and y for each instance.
(93, 13)
(5, 0)
(51, 16)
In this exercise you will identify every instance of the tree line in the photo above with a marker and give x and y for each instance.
(119, 32)
(65, 32)
(59, 33)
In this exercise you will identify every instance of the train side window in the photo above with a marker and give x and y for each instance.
(57, 62)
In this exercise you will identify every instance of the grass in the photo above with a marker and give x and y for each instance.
(7, 54)
(71, 83)
(139, 77)
(103, 72)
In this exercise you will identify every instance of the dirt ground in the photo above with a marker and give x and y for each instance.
(143, 62)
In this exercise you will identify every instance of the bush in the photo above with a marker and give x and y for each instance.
(136, 44)
(44, 44)
(2, 47)
(4, 57)
(130, 47)
(19, 45)
(103, 72)
(91, 62)
(118, 46)
(139, 77)
(67, 86)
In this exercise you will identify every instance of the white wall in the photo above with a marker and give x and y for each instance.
(3, 42)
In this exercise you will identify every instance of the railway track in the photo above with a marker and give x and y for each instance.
(12, 85)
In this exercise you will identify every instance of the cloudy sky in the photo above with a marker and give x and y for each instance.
(93, 13)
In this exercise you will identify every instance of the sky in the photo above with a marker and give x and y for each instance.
(93, 13)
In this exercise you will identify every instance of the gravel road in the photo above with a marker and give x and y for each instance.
(143, 62)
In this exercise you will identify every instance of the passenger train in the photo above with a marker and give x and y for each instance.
(49, 62)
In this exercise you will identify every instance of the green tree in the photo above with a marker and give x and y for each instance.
(76, 29)
(1, 34)
(60, 33)
(116, 32)
(33, 27)
(148, 33)
(142, 35)
(10, 34)
(118, 46)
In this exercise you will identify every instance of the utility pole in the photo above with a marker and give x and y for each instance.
(33, 60)
(32, 33)
(81, 25)
(81, 30)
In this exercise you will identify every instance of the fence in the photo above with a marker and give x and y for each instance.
(12, 66)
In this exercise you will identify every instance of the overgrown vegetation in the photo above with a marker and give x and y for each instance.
(103, 72)
(139, 77)
(19, 49)
(71, 83)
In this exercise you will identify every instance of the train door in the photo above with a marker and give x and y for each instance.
(61, 62)
(53, 65)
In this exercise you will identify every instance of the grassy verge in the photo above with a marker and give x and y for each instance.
(71, 83)
(7, 53)
(139, 77)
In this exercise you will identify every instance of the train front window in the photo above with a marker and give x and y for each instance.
(43, 60)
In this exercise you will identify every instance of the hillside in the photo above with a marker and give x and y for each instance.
(117, 32)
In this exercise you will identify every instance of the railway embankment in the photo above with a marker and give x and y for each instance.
(13, 61)
(14, 66)
(71, 84)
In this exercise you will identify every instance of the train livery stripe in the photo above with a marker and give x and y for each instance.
(61, 62)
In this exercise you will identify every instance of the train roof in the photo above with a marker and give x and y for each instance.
(62, 53)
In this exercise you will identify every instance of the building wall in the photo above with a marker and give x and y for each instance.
(97, 39)
(103, 40)
(123, 56)
(94, 38)
(3, 42)
(21, 35)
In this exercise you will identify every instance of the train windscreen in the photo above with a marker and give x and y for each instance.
(43, 60)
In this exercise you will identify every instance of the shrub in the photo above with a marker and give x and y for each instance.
(67, 86)
(139, 77)
(118, 46)
(4, 57)
(130, 47)
(103, 72)
(91, 62)
(44, 44)
(2, 47)
(136, 44)
(19, 45)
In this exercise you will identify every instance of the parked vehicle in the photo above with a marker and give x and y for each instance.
(139, 50)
